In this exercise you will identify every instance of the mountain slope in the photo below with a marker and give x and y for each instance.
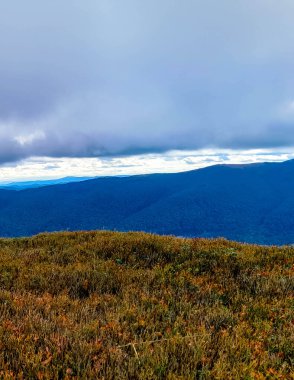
(252, 203)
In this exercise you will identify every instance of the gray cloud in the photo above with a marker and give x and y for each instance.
(108, 78)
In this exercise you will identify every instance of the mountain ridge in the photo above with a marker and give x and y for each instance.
(22, 185)
(251, 203)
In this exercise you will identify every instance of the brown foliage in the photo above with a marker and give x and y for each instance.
(104, 305)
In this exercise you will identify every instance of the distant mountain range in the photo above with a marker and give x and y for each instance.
(49, 182)
(250, 203)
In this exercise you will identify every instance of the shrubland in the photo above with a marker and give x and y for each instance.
(107, 305)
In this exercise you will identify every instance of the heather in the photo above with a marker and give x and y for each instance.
(109, 305)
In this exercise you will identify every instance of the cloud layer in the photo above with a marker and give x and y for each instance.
(169, 162)
(110, 78)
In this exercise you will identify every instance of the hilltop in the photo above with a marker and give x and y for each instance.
(249, 203)
(105, 305)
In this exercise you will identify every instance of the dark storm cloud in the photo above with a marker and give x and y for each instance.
(106, 78)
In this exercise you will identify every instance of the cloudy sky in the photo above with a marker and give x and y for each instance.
(121, 87)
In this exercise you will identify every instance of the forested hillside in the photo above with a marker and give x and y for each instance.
(104, 305)
(252, 203)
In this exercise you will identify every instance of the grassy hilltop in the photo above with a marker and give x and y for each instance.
(104, 305)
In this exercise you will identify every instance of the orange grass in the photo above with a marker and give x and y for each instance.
(105, 305)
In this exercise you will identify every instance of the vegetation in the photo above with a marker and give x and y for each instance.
(105, 305)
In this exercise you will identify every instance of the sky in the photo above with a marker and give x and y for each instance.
(125, 87)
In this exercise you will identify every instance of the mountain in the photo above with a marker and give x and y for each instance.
(250, 203)
(49, 182)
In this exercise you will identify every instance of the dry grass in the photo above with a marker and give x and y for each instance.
(103, 305)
